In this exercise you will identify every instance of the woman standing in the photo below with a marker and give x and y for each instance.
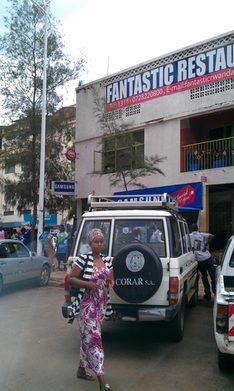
(97, 278)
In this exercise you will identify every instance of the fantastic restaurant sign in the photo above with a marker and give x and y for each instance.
(195, 71)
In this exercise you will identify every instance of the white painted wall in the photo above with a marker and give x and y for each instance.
(160, 118)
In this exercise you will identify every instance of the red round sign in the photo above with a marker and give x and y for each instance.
(70, 154)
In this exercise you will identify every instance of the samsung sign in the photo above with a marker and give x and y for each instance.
(204, 68)
(63, 188)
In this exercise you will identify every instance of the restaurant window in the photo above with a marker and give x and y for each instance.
(123, 151)
(10, 169)
(220, 132)
(8, 213)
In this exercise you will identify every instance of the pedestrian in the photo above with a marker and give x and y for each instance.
(2, 233)
(93, 274)
(62, 246)
(14, 234)
(156, 234)
(199, 241)
(48, 247)
(25, 236)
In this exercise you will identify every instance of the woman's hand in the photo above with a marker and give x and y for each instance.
(109, 283)
(92, 286)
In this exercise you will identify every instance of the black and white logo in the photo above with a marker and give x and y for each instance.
(135, 261)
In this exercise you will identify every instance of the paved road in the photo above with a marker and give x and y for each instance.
(39, 350)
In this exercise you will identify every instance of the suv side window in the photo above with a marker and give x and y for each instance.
(176, 238)
(183, 237)
(188, 240)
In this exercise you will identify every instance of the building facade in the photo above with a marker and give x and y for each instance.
(9, 216)
(179, 106)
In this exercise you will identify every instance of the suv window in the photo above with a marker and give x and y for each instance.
(176, 238)
(188, 240)
(104, 225)
(186, 244)
(146, 231)
(183, 237)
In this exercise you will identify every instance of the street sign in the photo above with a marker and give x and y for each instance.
(63, 188)
(70, 154)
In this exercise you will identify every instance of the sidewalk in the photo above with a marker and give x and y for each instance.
(57, 278)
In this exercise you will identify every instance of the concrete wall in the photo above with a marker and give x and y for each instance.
(161, 120)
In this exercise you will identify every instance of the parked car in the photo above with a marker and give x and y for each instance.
(18, 264)
(154, 266)
(223, 311)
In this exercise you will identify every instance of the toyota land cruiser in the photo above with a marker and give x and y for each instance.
(154, 265)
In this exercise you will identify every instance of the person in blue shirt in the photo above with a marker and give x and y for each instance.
(26, 236)
(199, 242)
(62, 246)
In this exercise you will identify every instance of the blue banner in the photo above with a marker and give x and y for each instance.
(188, 195)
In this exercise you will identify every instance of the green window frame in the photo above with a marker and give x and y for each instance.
(123, 151)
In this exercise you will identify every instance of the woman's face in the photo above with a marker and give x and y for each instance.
(97, 244)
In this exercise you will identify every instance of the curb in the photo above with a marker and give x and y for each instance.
(57, 279)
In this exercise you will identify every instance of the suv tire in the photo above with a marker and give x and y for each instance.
(138, 273)
(223, 361)
(176, 326)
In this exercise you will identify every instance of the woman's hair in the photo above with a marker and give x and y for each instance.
(93, 233)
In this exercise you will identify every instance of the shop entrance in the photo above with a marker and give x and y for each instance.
(221, 214)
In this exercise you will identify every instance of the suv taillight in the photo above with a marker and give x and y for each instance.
(173, 290)
(222, 319)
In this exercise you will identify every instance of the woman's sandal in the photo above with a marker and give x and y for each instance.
(107, 387)
(84, 375)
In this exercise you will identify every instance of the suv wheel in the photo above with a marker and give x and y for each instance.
(138, 273)
(223, 361)
(176, 326)
(194, 299)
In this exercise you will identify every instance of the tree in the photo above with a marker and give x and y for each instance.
(21, 81)
(122, 150)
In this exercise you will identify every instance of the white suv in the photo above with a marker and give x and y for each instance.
(154, 266)
(223, 310)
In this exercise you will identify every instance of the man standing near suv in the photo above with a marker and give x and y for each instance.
(199, 241)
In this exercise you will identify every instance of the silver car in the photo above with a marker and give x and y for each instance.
(223, 312)
(18, 264)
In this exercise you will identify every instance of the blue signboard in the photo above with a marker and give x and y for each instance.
(48, 219)
(188, 195)
(63, 187)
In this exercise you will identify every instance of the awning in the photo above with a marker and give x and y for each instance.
(188, 195)
(11, 224)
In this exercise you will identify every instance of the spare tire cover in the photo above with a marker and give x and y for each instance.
(138, 273)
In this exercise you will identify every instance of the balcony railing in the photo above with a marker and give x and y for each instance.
(208, 154)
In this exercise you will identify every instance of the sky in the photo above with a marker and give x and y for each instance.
(115, 35)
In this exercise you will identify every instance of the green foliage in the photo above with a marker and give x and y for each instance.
(20, 150)
(21, 82)
(21, 65)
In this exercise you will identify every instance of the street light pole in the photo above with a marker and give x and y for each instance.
(43, 130)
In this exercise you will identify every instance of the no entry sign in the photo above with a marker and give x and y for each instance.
(70, 154)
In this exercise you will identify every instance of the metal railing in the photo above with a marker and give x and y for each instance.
(208, 154)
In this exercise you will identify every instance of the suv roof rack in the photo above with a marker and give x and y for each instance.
(142, 201)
